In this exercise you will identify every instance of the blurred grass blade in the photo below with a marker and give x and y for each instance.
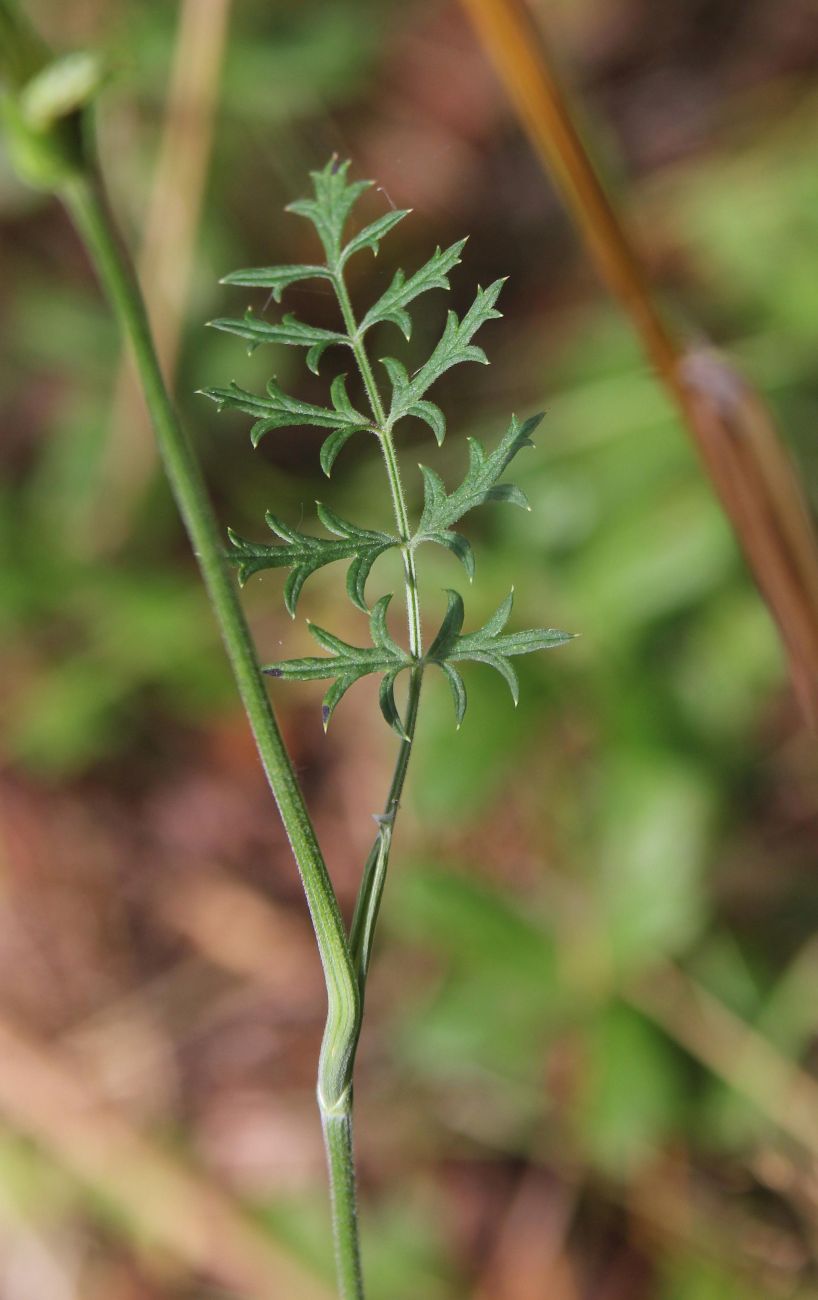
(744, 458)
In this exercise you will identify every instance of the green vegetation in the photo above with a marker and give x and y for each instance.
(593, 891)
(346, 664)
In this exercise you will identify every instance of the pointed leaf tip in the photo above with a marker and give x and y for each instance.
(388, 706)
(480, 485)
(491, 646)
(345, 664)
(449, 628)
(458, 692)
(371, 235)
(303, 554)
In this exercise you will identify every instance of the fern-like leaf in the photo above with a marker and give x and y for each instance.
(442, 509)
(275, 278)
(347, 664)
(454, 346)
(333, 202)
(279, 411)
(391, 306)
(329, 210)
(304, 554)
(487, 645)
(371, 235)
(290, 331)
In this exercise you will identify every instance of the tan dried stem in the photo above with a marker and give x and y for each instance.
(165, 261)
(529, 1254)
(733, 1050)
(748, 466)
(46, 1096)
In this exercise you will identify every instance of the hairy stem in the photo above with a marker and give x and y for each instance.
(89, 209)
(337, 1127)
(374, 876)
(384, 434)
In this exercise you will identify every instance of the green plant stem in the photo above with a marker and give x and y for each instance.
(337, 1126)
(374, 876)
(87, 204)
(384, 435)
(370, 893)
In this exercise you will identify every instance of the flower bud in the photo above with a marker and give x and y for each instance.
(44, 102)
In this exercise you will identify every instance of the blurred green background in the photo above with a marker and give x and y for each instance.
(588, 1065)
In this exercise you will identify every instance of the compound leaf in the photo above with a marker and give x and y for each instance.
(453, 347)
(275, 278)
(333, 202)
(290, 331)
(278, 410)
(391, 306)
(303, 554)
(487, 645)
(371, 235)
(346, 664)
(442, 509)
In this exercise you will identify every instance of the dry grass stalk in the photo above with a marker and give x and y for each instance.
(165, 260)
(780, 1090)
(737, 441)
(44, 1095)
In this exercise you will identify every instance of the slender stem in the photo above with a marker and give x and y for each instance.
(338, 1126)
(384, 434)
(341, 1165)
(374, 876)
(86, 202)
(410, 577)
